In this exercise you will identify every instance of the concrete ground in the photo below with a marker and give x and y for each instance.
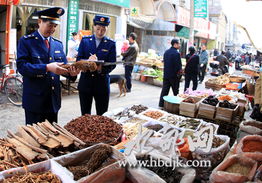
(12, 116)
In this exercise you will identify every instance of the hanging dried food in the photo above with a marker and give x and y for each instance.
(94, 129)
(32, 177)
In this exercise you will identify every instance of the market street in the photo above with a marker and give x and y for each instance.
(12, 116)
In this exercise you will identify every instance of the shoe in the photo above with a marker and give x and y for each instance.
(161, 108)
(128, 91)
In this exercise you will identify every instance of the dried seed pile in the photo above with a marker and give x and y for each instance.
(93, 129)
(31, 177)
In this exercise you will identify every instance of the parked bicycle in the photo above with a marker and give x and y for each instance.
(11, 85)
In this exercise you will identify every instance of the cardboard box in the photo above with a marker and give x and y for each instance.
(226, 114)
(189, 109)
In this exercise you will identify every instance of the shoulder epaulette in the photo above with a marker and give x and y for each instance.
(29, 36)
(56, 39)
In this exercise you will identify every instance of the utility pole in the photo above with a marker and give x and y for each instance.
(191, 32)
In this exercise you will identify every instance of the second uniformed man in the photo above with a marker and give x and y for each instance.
(96, 84)
(39, 57)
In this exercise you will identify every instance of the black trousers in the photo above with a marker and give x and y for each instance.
(167, 83)
(101, 102)
(202, 73)
(188, 78)
(128, 76)
(33, 117)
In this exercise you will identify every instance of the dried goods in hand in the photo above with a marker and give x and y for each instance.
(238, 168)
(211, 100)
(93, 129)
(189, 123)
(153, 114)
(83, 66)
(190, 100)
(138, 108)
(32, 177)
(98, 156)
(167, 173)
(226, 104)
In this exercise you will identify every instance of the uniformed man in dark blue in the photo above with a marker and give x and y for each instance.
(96, 84)
(172, 70)
(39, 57)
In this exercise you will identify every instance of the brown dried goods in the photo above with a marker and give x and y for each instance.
(138, 108)
(94, 129)
(190, 100)
(154, 114)
(217, 142)
(156, 127)
(100, 155)
(31, 177)
(255, 124)
(83, 66)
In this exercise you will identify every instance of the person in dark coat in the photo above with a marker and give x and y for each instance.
(223, 62)
(96, 85)
(172, 70)
(39, 57)
(191, 69)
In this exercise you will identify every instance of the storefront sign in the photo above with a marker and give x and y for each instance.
(184, 32)
(122, 3)
(200, 7)
(134, 12)
(72, 20)
(183, 17)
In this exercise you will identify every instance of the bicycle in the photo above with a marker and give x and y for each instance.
(12, 86)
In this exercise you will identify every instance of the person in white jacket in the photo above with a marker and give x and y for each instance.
(73, 45)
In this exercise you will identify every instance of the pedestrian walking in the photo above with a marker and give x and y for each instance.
(73, 45)
(223, 62)
(96, 85)
(39, 57)
(172, 71)
(191, 69)
(203, 56)
(130, 58)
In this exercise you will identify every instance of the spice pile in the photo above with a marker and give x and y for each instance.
(226, 104)
(32, 177)
(138, 108)
(211, 100)
(252, 146)
(9, 158)
(190, 100)
(189, 124)
(225, 97)
(132, 129)
(171, 119)
(97, 158)
(167, 173)
(217, 142)
(238, 168)
(154, 114)
(94, 129)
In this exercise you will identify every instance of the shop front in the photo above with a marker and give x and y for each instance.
(5, 16)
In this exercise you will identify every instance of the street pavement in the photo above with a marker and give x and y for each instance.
(142, 93)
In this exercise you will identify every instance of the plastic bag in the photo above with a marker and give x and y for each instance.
(219, 175)
(254, 155)
(251, 129)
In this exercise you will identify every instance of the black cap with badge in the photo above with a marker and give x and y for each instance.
(101, 20)
(51, 14)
